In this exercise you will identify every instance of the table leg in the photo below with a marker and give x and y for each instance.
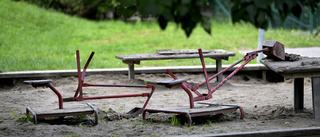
(298, 93)
(131, 71)
(316, 97)
(219, 68)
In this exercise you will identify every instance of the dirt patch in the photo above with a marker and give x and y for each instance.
(267, 106)
(292, 57)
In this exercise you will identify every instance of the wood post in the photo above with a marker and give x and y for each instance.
(316, 97)
(298, 93)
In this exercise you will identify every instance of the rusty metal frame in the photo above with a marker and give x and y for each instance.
(189, 115)
(78, 96)
(37, 116)
(189, 88)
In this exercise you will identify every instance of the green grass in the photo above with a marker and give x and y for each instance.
(32, 38)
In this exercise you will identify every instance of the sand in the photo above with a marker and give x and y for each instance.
(267, 106)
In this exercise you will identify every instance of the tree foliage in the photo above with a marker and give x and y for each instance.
(90, 9)
(185, 13)
(188, 13)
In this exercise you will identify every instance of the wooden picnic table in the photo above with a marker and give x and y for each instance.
(298, 68)
(217, 54)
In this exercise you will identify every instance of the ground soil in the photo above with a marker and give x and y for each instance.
(267, 106)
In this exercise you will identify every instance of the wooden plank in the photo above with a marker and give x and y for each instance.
(203, 108)
(68, 109)
(302, 65)
(298, 93)
(316, 97)
(218, 69)
(155, 56)
(182, 51)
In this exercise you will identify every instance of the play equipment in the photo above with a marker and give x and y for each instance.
(62, 111)
(78, 96)
(272, 49)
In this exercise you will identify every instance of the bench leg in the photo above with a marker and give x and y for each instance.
(298, 93)
(316, 97)
(131, 71)
(219, 68)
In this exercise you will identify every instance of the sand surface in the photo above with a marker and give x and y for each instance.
(267, 106)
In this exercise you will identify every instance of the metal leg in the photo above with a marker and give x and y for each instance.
(316, 97)
(28, 109)
(219, 68)
(95, 112)
(298, 93)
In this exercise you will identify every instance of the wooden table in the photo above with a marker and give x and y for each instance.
(298, 70)
(218, 55)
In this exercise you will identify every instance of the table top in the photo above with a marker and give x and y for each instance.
(176, 54)
(294, 66)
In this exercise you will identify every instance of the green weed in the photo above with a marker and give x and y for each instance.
(81, 116)
(175, 121)
(72, 135)
(204, 127)
(22, 119)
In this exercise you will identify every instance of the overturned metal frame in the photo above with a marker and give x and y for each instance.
(78, 96)
(61, 112)
(273, 49)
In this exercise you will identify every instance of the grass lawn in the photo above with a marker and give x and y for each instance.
(32, 38)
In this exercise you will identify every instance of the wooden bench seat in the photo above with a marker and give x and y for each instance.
(217, 54)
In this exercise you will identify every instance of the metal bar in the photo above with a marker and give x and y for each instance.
(28, 109)
(117, 96)
(149, 97)
(58, 94)
(186, 87)
(204, 70)
(116, 85)
(95, 112)
(298, 93)
(238, 107)
(79, 90)
(227, 78)
(221, 72)
(86, 66)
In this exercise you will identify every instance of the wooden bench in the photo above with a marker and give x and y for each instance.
(217, 54)
(299, 69)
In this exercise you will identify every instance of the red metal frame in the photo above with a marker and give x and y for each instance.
(78, 96)
(189, 88)
(190, 115)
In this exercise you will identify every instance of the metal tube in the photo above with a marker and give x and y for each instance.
(204, 70)
(86, 66)
(228, 77)
(58, 94)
